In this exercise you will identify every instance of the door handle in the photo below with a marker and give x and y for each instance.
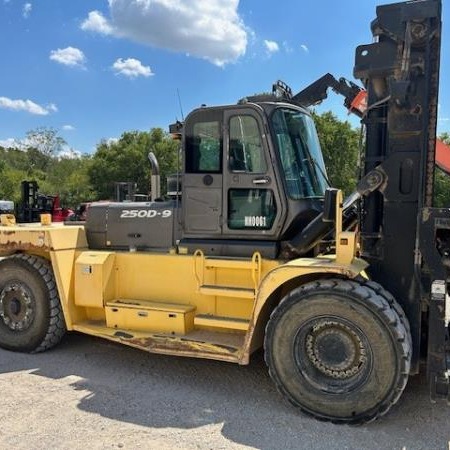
(263, 180)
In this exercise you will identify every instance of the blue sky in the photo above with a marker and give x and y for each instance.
(94, 69)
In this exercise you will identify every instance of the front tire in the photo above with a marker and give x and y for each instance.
(31, 318)
(340, 350)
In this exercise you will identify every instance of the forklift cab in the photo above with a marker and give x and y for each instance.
(252, 171)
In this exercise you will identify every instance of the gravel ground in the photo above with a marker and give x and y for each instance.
(93, 394)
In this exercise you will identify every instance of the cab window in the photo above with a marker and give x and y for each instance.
(300, 154)
(251, 209)
(204, 146)
(245, 146)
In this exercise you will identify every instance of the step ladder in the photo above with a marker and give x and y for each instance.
(203, 263)
(229, 323)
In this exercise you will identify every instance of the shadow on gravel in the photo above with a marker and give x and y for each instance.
(156, 391)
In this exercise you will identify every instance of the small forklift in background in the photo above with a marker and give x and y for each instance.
(33, 204)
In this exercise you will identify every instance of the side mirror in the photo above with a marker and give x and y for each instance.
(329, 206)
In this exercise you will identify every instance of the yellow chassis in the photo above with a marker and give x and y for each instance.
(171, 303)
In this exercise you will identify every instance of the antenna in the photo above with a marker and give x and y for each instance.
(179, 102)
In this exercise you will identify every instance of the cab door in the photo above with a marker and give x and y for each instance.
(203, 181)
(251, 202)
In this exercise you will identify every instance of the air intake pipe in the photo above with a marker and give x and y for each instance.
(155, 182)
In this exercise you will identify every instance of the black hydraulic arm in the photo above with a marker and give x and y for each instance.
(316, 92)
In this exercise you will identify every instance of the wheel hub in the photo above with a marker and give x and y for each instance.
(16, 307)
(335, 349)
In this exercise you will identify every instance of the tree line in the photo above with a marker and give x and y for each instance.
(43, 156)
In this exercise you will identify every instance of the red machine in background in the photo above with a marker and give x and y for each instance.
(443, 156)
(33, 204)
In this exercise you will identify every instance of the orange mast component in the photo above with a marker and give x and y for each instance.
(442, 156)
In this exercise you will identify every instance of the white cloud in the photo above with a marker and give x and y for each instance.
(444, 119)
(305, 48)
(27, 105)
(208, 29)
(97, 22)
(69, 153)
(26, 10)
(131, 68)
(51, 107)
(69, 56)
(112, 140)
(8, 143)
(271, 46)
(68, 127)
(25, 143)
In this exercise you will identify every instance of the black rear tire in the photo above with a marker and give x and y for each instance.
(340, 350)
(31, 317)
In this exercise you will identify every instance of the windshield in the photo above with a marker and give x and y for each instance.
(300, 154)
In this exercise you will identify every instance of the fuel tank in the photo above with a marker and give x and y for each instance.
(132, 226)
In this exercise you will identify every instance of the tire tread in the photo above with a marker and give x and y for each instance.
(379, 301)
(43, 269)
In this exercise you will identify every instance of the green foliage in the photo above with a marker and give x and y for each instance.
(13, 169)
(339, 142)
(42, 145)
(127, 160)
(84, 178)
(10, 180)
(46, 140)
(38, 158)
(73, 171)
(442, 182)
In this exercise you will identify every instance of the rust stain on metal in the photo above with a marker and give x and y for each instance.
(23, 240)
(164, 343)
(11, 246)
(8, 233)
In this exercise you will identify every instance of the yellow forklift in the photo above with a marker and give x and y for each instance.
(346, 297)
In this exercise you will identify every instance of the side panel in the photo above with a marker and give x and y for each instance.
(202, 200)
(94, 279)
